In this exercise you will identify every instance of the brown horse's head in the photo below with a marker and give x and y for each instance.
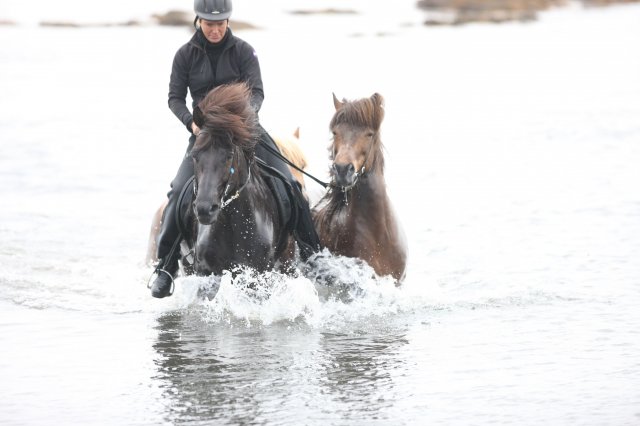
(356, 146)
(224, 148)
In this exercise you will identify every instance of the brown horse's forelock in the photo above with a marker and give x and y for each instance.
(362, 113)
(228, 114)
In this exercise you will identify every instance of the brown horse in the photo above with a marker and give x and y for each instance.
(355, 217)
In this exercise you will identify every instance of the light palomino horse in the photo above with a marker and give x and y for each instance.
(355, 218)
(289, 147)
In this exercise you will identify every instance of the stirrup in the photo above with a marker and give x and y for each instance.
(156, 272)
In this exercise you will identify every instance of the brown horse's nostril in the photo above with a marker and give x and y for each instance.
(344, 170)
(344, 174)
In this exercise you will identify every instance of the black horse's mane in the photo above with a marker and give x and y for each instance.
(226, 114)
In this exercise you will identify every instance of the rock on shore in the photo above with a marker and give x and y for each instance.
(458, 12)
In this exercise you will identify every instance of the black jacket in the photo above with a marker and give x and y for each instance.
(192, 70)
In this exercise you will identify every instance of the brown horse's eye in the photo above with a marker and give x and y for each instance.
(370, 134)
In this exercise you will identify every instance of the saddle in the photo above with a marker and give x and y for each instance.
(293, 209)
(283, 193)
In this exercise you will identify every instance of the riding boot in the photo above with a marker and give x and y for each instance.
(170, 236)
(163, 284)
(168, 252)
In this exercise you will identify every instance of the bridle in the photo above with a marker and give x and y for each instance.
(358, 174)
(224, 201)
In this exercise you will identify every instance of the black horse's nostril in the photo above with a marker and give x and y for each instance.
(206, 211)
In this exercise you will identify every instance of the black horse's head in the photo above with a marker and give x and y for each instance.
(224, 148)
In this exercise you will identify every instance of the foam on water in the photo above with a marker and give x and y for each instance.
(335, 293)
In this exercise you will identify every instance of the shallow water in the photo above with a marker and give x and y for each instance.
(512, 159)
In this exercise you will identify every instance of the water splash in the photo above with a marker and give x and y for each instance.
(328, 292)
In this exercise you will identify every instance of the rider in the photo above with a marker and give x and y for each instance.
(214, 56)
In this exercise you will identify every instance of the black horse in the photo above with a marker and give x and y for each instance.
(236, 218)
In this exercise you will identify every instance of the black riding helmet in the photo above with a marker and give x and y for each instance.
(212, 10)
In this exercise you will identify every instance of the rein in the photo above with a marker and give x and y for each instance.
(344, 189)
(284, 159)
(287, 161)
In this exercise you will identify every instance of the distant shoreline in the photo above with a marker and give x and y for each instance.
(437, 13)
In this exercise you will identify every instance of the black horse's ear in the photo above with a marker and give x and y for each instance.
(198, 116)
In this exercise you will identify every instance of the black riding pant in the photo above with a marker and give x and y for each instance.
(169, 238)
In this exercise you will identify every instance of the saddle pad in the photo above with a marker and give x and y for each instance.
(281, 192)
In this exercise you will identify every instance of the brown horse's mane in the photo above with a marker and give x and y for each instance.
(365, 113)
(227, 114)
